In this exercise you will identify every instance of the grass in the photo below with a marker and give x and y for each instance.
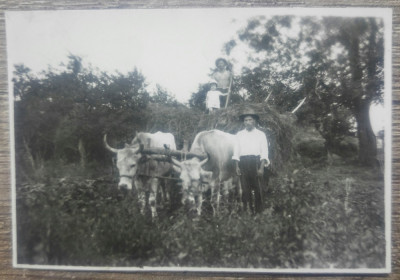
(314, 217)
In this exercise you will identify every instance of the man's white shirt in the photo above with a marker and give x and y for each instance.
(252, 142)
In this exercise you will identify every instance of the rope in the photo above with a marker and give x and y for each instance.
(160, 177)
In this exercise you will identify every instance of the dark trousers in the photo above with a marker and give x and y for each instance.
(251, 189)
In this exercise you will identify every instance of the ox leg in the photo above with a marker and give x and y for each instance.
(153, 196)
(141, 196)
(227, 194)
(164, 191)
(199, 202)
(215, 196)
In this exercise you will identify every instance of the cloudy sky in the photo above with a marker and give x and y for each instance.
(175, 48)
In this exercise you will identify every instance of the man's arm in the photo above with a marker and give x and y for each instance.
(260, 171)
(264, 149)
(263, 154)
(235, 156)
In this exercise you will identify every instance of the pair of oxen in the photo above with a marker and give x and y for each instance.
(144, 172)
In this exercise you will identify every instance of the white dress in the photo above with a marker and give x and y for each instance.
(212, 100)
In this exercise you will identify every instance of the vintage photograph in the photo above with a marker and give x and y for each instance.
(252, 140)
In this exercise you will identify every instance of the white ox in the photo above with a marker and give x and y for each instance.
(141, 170)
(218, 169)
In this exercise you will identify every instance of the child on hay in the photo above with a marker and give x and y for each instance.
(223, 76)
(212, 99)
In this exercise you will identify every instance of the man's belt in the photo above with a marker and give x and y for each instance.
(249, 157)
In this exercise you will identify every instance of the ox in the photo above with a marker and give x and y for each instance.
(218, 168)
(142, 170)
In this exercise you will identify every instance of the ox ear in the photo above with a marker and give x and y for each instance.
(177, 169)
(205, 175)
(176, 162)
(204, 161)
(135, 149)
(135, 139)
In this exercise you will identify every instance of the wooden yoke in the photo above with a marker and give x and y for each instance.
(165, 153)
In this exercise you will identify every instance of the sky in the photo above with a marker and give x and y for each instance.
(175, 48)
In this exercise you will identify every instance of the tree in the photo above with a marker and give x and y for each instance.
(63, 114)
(361, 76)
(161, 96)
(198, 99)
(337, 63)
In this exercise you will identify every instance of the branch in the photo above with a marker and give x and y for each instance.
(269, 95)
(298, 106)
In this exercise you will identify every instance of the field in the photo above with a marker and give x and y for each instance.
(315, 216)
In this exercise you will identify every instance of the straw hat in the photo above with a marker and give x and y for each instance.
(212, 82)
(249, 112)
(221, 59)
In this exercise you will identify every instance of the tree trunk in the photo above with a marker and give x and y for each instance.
(366, 137)
(82, 153)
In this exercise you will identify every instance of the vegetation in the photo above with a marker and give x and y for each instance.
(336, 63)
(321, 219)
(319, 212)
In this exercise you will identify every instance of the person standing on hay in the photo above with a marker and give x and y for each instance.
(212, 98)
(251, 155)
(223, 76)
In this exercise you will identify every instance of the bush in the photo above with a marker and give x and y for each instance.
(313, 219)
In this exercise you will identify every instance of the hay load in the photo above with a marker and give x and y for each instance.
(185, 123)
(279, 128)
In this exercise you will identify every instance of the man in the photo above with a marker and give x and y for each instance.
(250, 156)
(223, 76)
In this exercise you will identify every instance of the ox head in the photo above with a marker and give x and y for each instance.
(127, 163)
(192, 174)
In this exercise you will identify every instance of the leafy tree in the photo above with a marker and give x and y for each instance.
(63, 115)
(198, 99)
(360, 74)
(337, 63)
(161, 96)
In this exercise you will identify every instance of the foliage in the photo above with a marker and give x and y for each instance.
(198, 99)
(161, 96)
(310, 219)
(336, 63)
(64, 114)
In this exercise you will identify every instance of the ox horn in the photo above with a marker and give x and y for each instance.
(204, 161)
(176, 162)
(113, 150)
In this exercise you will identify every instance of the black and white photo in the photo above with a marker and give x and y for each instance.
(245, 140)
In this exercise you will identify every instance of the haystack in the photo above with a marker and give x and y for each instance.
(279, 128)
(185, 123)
